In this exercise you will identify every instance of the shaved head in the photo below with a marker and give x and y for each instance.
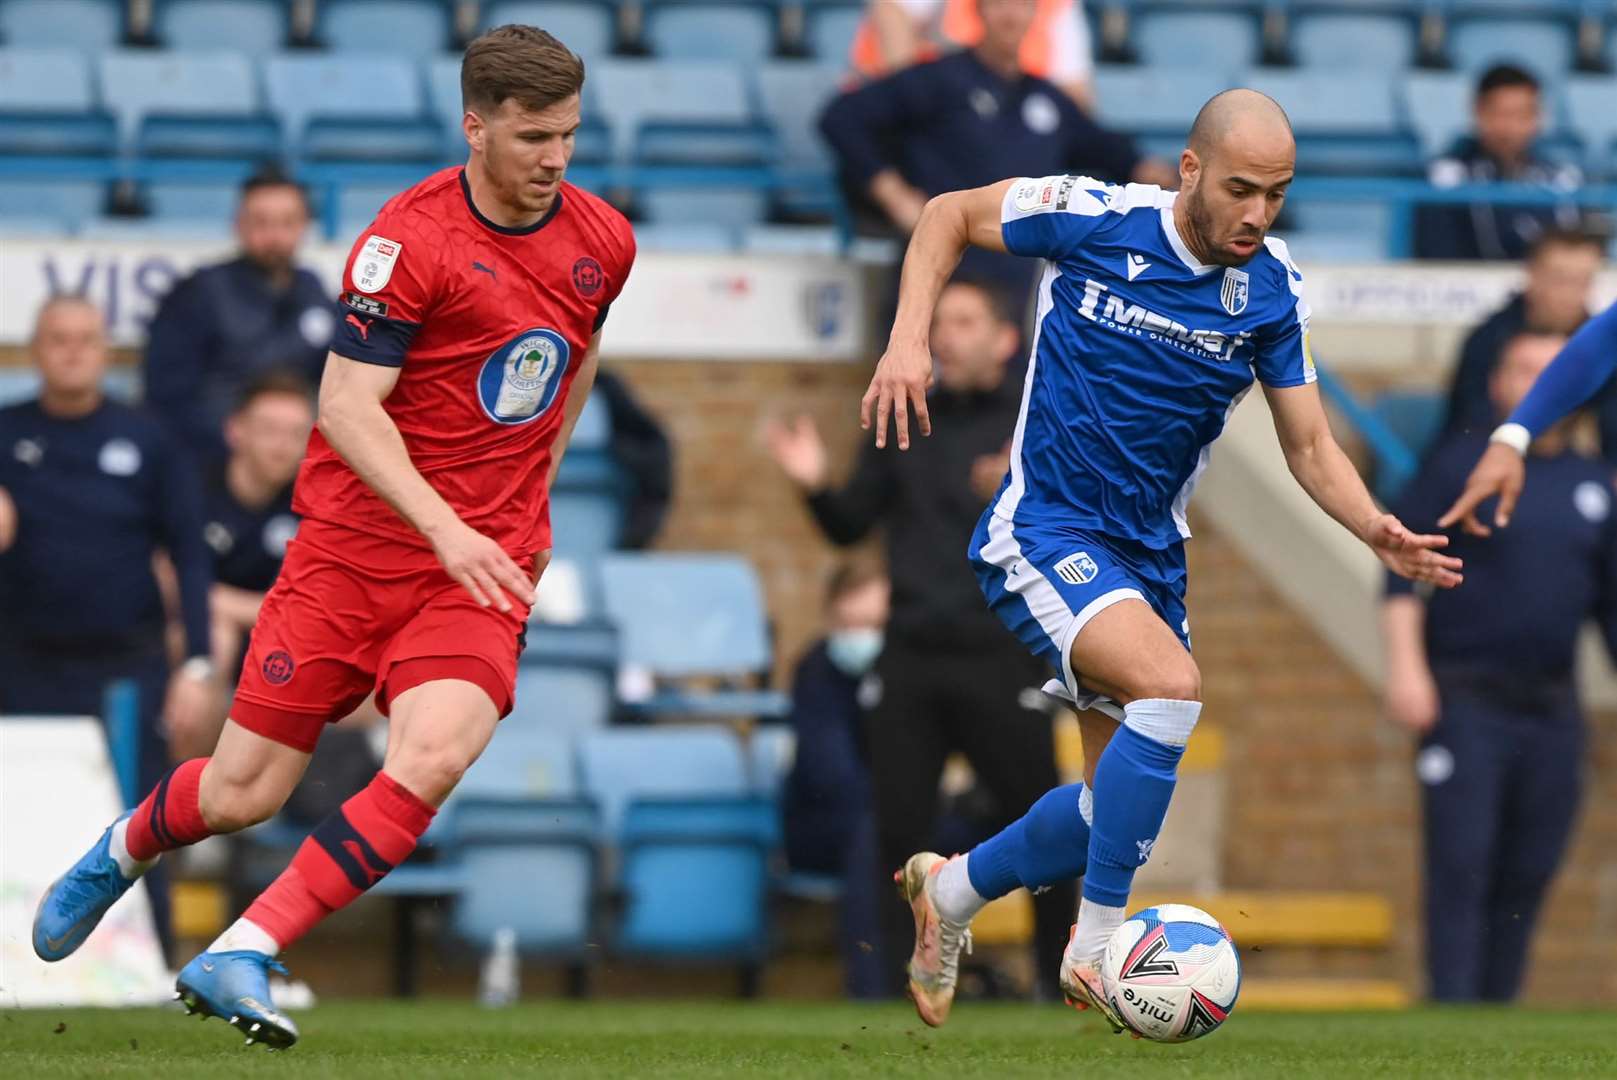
(1233, 176)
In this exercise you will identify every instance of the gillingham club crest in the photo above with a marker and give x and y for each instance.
(1233, 292)
(520, 381)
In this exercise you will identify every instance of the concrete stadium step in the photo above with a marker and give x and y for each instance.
(1346, 920)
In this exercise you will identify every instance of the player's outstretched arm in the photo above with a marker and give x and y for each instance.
(1334, 484)
(358, 428)
(1585, 364)
(949, 223)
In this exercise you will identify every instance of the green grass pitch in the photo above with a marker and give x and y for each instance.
(780, 1040)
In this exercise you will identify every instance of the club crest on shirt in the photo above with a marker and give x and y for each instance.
(373, 266)
(522, 379)
(1233, 292)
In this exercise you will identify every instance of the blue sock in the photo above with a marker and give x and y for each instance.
(1048, 844)
(1134, 782)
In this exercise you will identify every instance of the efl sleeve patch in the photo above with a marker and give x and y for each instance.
(1050, 216)
(374, 262)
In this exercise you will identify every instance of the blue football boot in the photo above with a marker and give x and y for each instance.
(234, 986)
(76, 901)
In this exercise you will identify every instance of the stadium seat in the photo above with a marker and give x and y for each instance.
(695, 880)
(729, 208)
(64, 204)
(1189, 39)
(771, 749)
(692, 238)
(830, 31)
(529, 866)
(192, 200)
(357, 206)
(76, 24)
(47, 105)
(704, 99)
(1545, 47)
(585, 524)
(1330, 231)
(666, 761)
(558, 699)
(255, 27)
(737, 30)
(795, 240)
(1141, 101)
(527, 761)
(588, 27)
(418, 28)
(793, 93)
(688, 614)
(1589, 104)
(353, 107)
(1368, 41)
(1346, 121)
(1438, 104)
(186, 104)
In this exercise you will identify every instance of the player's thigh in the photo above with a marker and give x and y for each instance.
(1127, 652)
(248, 778)
(436, 730)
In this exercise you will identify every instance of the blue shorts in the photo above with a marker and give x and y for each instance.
(1046, 583)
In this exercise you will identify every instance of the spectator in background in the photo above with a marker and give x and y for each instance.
(952, 678)
(829, 822)
(228, 323)
(898, 33)
(964, 121)
(641, 450)
(249, 506)
(1561, 269)
(1508, 119)
(94, 490)
(1484, 676)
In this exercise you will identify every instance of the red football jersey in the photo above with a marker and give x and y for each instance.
(490, 325)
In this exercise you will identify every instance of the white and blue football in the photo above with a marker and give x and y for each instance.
(1172, 972)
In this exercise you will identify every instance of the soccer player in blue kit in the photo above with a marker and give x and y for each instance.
(1155, 312)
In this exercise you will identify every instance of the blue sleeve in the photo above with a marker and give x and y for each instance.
(178, 344)
(180, 499)
(1051, 216)
(1575, 376)
(1280, 348)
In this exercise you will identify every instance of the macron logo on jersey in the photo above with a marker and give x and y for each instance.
(1134, 319)
(1137, 265)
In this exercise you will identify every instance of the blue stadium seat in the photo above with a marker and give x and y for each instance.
(729, 208)
(1589, 104)
(353, 107)
(688, 614)
(585, 524)
(593, 431)
(357, 206)
(51, 204)
(794, 240)
(529, 866)
(1144, 101)
(47, 105)
(771, 749)
(831, 29)
(740, 30)
(192, 200)
(1546, 47)
(561, 700)
(1369, 41)
(1329, 231)
(695, 878)
(255, 27)
(76, 24)
(689, 238)
(418, 28)
(588, 27)
(1346, 121)
(793, 93)
(1438, 104)
(526, 761)
(665, 761)
(187, 104)
(710, 97)
(1172, 39)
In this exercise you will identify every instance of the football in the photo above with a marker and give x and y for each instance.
(1172, 972)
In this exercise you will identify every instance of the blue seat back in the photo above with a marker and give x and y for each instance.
(771, 750)
(558, 700)
(1438, 104)
(47, 105)
(728, 207)
(692, 30)
(687, 614)
(1139, 100)
(584, 525)
(529, 866)
(356, 86)
(593, 432)
(177, 84)
(633, 92)
(525, 761)
(695, 899)
(588, 28)
(1368, 41)
(65, 204)
(418, 28)
(192, 200)
(831, 30)
(255, 27)
(619, 765)
(76, 24)
(1542, 46)
(1589, 105)
(1169, 39)
(793, 93)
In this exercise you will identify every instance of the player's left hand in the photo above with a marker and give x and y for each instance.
(1413, 555)
(901, 380)
(1500, 471)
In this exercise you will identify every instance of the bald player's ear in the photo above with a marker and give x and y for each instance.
(1190, 167)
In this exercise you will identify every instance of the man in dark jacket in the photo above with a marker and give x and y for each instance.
(1502, 148)
(231, 322)
(952, 678)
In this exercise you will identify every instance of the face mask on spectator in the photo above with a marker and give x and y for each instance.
(854, 651)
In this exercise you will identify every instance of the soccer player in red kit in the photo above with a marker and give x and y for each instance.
(470, 318)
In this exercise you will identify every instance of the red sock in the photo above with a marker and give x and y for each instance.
(171, 816)
(346, 854)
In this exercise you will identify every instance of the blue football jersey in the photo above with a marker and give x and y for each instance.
(1139, 355)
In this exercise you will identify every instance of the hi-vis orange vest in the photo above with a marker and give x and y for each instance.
(961, 26)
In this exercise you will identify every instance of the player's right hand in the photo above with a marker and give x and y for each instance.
(482, 567)
(902, 377)
(1412, 700)
(799, 451)
(1502, 472)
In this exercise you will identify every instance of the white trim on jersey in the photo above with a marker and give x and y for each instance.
(1177, 242)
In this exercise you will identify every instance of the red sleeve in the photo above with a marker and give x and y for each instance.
(620, 274)
(387, 289)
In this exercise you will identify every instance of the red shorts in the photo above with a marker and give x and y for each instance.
(351, 613)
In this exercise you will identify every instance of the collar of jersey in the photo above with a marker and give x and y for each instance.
(506, 230)
(1175, 241)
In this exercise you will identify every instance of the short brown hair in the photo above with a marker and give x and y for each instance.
(521, 62)
(851, 576)
(274, 381)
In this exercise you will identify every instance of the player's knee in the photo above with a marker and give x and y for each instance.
(1175, 680)
(430, 772)
(229, 805)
